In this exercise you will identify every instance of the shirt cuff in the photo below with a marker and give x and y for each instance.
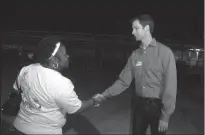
(106, 94)
(164, 116)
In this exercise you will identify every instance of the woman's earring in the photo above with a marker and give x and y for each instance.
(55, 65)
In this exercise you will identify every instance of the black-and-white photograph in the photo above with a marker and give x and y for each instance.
(102, 67)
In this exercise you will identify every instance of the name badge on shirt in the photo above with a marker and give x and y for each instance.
(138, 63)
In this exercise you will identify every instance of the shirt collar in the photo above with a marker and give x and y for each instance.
(152, 43)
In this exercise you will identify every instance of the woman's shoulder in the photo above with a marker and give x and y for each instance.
(57, 78)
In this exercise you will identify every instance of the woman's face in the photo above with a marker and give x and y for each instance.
(63, 57)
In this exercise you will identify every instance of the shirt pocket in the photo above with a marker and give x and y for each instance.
(137, 67)
(154, 69)
(155, 64)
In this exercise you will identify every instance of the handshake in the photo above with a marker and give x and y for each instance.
(98, 99)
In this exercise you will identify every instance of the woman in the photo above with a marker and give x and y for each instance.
(46, 94)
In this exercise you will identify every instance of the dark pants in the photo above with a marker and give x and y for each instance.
(146, 111)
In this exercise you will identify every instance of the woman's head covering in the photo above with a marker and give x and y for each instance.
(47, 48)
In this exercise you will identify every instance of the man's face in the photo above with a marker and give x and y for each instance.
(138, 30)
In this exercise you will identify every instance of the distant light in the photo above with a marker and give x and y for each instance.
(197, 50)
(19, 53)
(30, 55)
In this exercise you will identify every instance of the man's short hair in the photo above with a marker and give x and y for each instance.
(145, 19)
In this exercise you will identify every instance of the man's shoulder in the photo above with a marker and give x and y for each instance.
(163, 47)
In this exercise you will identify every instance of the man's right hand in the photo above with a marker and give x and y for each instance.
(98, 99)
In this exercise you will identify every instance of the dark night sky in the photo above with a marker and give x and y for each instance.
(105, 17)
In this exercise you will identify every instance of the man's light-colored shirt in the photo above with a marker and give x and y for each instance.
(154, 70)
(46, 96)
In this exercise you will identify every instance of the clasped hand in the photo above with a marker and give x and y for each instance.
(98, 98)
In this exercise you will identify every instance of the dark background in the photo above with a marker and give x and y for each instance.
(174, 19)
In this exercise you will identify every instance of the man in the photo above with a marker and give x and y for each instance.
(154, 69)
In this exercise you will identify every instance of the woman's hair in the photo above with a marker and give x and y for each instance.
(45, 48)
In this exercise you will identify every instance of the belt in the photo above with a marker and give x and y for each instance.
(150, 100)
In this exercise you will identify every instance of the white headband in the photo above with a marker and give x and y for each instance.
(55, 50)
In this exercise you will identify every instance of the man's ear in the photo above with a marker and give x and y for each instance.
(147, 28)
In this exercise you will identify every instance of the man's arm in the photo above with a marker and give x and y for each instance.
(170, 86)
(124, 81)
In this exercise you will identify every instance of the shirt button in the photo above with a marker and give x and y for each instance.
(143, 87)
